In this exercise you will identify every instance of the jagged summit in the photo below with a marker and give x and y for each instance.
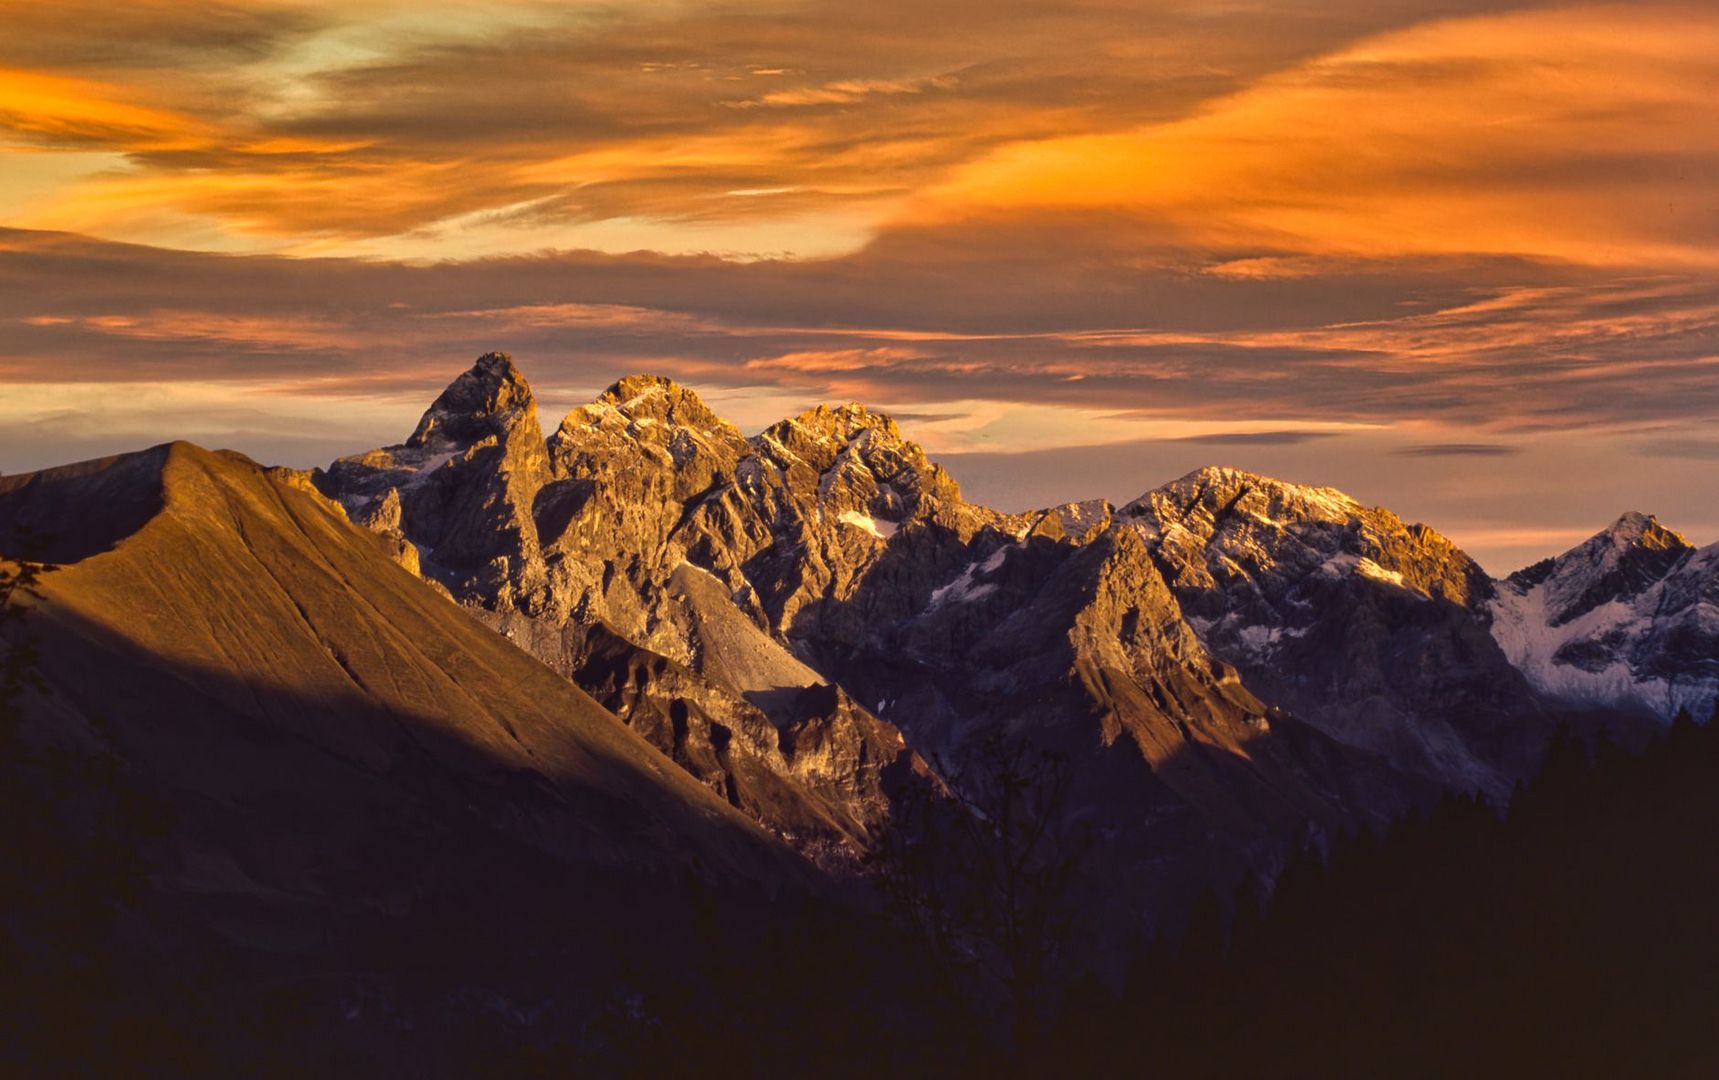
(1631, 522)
(1218, 490)
(455, 498)
(1614, 564)
(642, 401)
(1635, 528)
(483, 401)
(1630, 552)
(652, 417)
(1244, 519)
(836, 423)
(846, 438)
(1329, 607)
(856, 461)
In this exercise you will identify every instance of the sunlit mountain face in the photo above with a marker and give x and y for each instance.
(1458, 255)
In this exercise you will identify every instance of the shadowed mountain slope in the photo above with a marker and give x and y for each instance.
(346, 766)
(254, 580)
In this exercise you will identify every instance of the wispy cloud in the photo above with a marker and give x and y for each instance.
(1457, 450)
(846, 92)
(1257, 438)
(1689, 449)
(1581, 133)
(1424, 346)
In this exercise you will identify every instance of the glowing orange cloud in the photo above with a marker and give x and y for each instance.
(52, 108)
(1581, 133)
(1586, 134)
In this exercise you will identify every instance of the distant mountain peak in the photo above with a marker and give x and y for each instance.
(1636, 545)
(642, 390)
(1635, 529)
(482, 402)
(1219, 491)
(842, 423)
(653, 399)
(858, 458)
(640, 383)
(1621, 620)
(1631, 521)
(1617, 562)
(654, 415)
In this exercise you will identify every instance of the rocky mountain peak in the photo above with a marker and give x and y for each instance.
(1621, 620)
(484, 401)
(838, 425)
(455, 499)
(1217, 491)
(648, 418)
(853, 458)
(651, 408)
(657, 399)
(1617, 562)
(1251, 522)
(1277, 577)
(1635, 529)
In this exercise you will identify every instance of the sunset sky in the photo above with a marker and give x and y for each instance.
(1460, 259)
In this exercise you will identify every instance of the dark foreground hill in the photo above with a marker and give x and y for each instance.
(273, 803)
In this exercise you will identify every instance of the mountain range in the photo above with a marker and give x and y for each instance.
(646, 658)
(1238, 654)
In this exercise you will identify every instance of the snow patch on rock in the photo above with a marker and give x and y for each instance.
(878, 527)
(966, 587)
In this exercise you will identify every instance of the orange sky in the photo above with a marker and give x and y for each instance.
(1035, 225)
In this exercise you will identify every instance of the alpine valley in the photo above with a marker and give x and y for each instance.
(570, 743)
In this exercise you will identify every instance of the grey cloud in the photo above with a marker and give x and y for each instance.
(1687, 449)
(1437, 450)
(1257, 438)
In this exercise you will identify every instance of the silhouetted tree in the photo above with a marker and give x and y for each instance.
(985, 874)
(1573, 936)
